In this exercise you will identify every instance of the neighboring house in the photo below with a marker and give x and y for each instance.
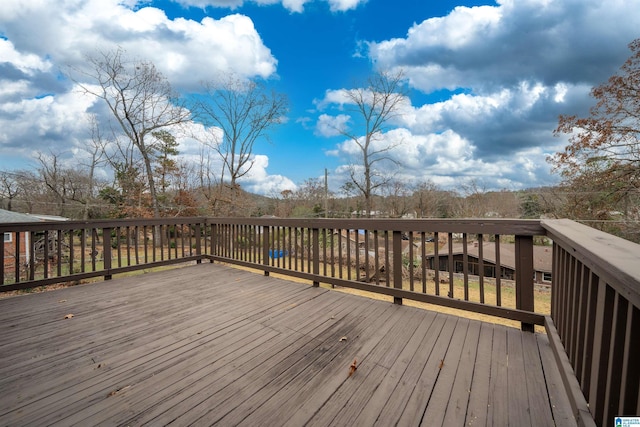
(10, 239)
(542, 260)
(11, 243)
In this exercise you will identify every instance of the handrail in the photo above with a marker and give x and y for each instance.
(596, 310)
(613, 258)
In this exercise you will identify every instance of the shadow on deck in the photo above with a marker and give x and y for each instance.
(210, 344)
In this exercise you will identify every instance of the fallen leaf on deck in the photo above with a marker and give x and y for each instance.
(62, 300)
(118, 390)
(68, 316)
(441, 363)
(353, 367)
(343, 339)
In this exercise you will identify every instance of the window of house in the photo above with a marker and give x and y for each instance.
(8, 237)
(546, 277)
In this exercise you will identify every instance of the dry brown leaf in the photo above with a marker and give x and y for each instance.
(68, 316)
(118, 390)
(353, 367)
(343, 339)
(441, 363)
(62, 300)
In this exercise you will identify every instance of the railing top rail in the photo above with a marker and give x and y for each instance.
(471, 225)
(75, 225)
(612, 258)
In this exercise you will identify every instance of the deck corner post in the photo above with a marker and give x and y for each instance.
(524, 277)
(397, 264)
(106, 252)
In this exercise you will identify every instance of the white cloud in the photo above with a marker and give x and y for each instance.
(185, 51)
(27, 63)
(331, 98)
(40, 124)
(344, 5)
(259, 181)
(331, 125)
(489, 46)
(291, 5)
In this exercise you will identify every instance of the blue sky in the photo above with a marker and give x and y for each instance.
(486, 79)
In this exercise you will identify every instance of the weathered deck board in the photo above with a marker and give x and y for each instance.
(210, 344)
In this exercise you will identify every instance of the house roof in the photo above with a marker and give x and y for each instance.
(42, 217)
(9, 216)
(542, 255)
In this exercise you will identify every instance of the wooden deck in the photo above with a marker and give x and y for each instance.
(214, 345)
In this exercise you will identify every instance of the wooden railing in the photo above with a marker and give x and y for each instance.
(43, 253)
(387, 257)
(593, 327)
(596, 312)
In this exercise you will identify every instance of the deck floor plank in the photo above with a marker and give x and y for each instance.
(558, 400)
(214, 345)
(436, 406)
(497, 407)
(536, 387)
(478, 394)
(456, 413)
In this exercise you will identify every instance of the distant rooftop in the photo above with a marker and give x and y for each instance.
(10, 216)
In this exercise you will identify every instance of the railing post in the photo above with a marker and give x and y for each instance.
(316, 254)
(524, 277)
(198, 243)
(397, 263)
(106, 251)
(265, 247)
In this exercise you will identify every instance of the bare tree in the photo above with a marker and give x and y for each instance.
(373, 107)
(9, 188)
(96, 154)
(207, 181)
(396, 198)
(55, 179)
(310, 198)
(140, 99)
(245, 112)
(428, 200)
